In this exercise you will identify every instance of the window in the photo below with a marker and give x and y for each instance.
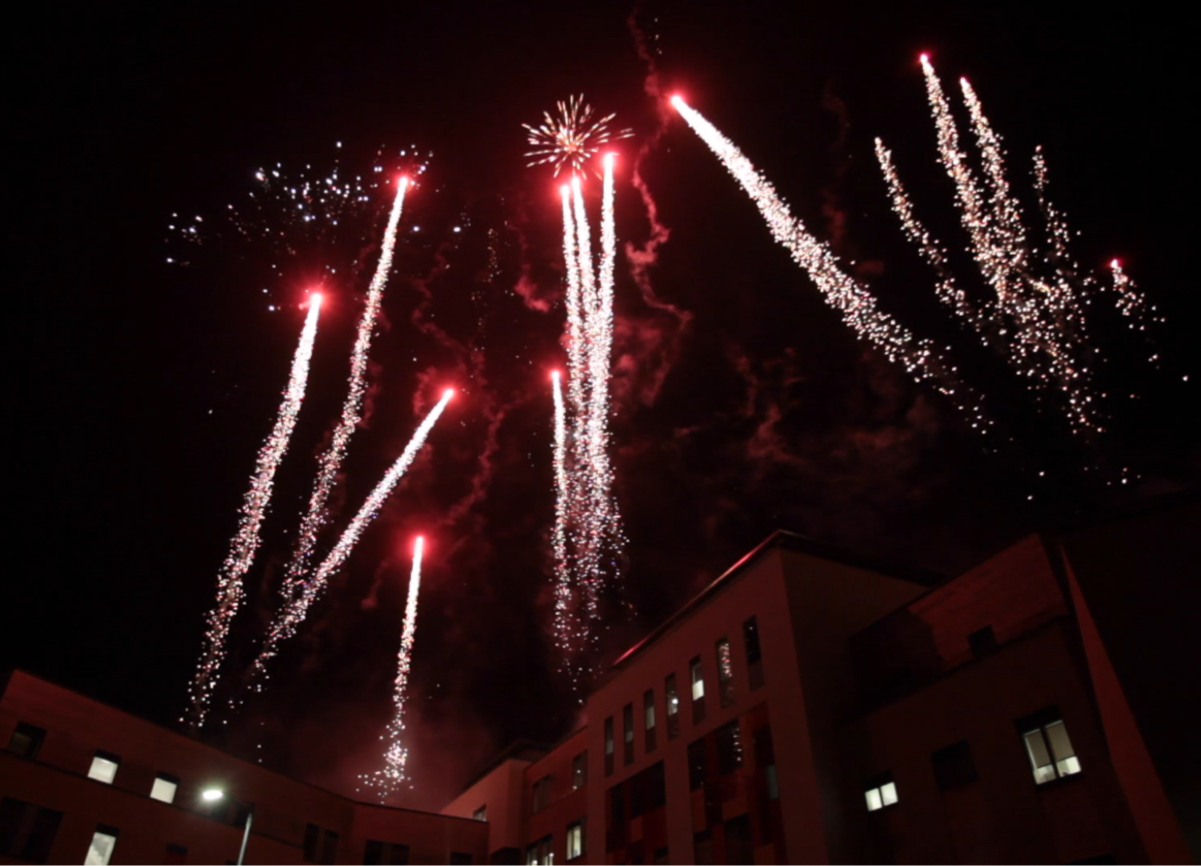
(164, 787)
(539, 853)
(1048, 747)
(460, 858)
(765, 760)
(575, 839)
(738, 840)
(661, 855)
(673, 706)
(648, 718)
(702, 847)
(754, 653)
(377, 852)
(609, 746)
(881, 791)
(101, 849)
(698, 690)
(953, 766)
(541, 794)
(579, 771)
(320, 845)
(696, 764)
(176, 854)
(729, 748)
(982, 642)
(104, 767)
(627, 732)
(725, 673)
(27, 831)
(26, 740)
(480, 814)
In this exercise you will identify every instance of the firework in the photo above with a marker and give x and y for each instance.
(562, 511)
(570, 138)
(331, 461)
(254, 508)
(293, 613)
(857, 306)
(393, 776)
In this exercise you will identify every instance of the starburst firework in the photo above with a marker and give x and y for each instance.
(570, 138)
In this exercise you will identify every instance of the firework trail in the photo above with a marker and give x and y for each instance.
(575, 321)
(857, 306)
(392, 776)
(254, 508)
(563, 630)
(331, 461)
(292, 614)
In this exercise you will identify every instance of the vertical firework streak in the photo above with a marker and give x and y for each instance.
(563, 626)
(856, 304)
(352, 408)
(293, 614)
(396, 755)
(254, 508)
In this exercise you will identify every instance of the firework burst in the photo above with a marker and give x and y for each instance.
(254, 508)
(571, 137)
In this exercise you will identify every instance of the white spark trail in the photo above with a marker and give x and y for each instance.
(563, 630)
(294, 613)
(245, 544)
(352, 409)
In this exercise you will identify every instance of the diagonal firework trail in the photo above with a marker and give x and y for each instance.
(289, 618)
(254, 508)
(857, 306)
(393, 776)
(352, 411)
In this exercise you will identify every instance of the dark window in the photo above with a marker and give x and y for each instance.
(176, 854)
(982, 642)
(480, 814)
(754, 653)
(609, 746)
(377, 852)
(660, 856)
(27, 831)
(541, 794)
(648, 718)
(725, 672)
(729, 748)
(26, 740)
(696, 764)
(697, 677)
(1048, 746)
(460, 858)
(672, 698)
(329, 846)
(953, 766)
(312, 837)
(656, 786)
(627, 733)
(702, 848)
(738, 840)
(579, 771)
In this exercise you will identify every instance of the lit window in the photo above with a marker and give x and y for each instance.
(575, 840)
(480, 814)
(773, 783)
(1048, 746)
(729, 748)
(540, 854)
(725, 672)
(579, 770)
(698, 691)
(627, 732)
(101, 849)
(104, 768)
(648, 718)
(609, 746)
(881, 792)
(26, 740)
(672, 698)
(164, 787)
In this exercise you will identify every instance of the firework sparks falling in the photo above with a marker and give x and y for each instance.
(254, 508)
(293, 613)
(857, 306)
(571, 137)
(352, 409)
(392, 777)
(563, 630)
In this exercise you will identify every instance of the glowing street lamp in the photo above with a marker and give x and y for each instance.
(212, 795)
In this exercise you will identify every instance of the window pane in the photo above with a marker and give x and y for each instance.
(163, 789)
(627, 723)
(888, 793)
(609, 735)
(480, 814)
(773, 784)
(725, 672)
(103, 770)
(698, 680)
(1040, 760)
(673, 697)
(1068, 766)
(1061, 746)
(648, 709)
(579, 770)
(101, 849)
(873, 800)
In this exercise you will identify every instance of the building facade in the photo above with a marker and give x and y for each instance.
(807, 706)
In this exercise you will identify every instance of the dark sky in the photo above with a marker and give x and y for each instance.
(742, 403)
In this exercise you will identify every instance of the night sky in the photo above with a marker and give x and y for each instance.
(742, 404)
